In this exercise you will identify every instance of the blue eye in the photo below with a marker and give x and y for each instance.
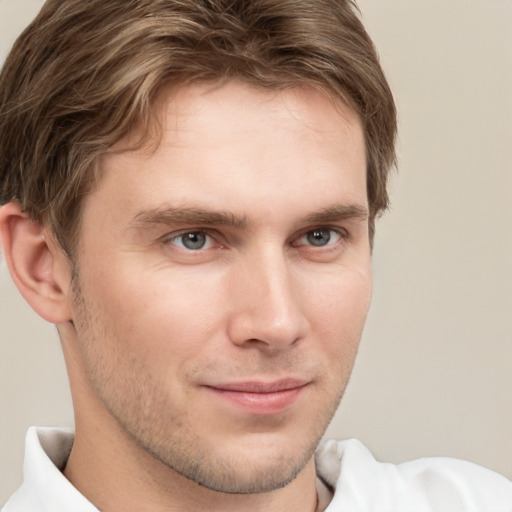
(320, 237)
(192, 240)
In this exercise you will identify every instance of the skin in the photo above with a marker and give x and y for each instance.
(154, 323)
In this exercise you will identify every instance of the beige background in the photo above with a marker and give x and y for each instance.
(433, 375)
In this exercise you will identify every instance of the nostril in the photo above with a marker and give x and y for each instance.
(260, 328)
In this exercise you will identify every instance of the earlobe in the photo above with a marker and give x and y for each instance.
(35, 264)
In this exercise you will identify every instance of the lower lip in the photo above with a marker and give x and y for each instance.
(260, 403)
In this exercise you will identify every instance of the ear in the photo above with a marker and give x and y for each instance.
(39, 269)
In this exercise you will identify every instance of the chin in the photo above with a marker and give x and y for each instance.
(248, 477)
(254, 466)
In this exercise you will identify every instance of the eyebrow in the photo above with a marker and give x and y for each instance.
(338, 213)
(199, 216)
(188, 215)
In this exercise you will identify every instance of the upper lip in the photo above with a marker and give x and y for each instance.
(255, 386)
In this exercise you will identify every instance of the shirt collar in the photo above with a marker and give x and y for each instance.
(44, 485)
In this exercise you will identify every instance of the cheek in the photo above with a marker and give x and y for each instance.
(342, 296)
(337, 310)
(161, 315)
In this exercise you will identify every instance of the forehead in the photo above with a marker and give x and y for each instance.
(250, 110)
(242, 146)
(207, 104)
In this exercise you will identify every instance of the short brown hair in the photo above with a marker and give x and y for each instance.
(85, 73)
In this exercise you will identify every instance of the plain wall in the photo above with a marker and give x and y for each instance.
(433, 375)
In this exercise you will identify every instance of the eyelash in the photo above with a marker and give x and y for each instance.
(340, 234)
(179, 236)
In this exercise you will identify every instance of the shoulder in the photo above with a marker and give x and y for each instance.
(362, 483)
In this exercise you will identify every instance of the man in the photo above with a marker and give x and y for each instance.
(194, 210)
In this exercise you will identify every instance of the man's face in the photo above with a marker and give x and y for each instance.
(223, 283)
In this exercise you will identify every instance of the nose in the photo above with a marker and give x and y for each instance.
(267, 309)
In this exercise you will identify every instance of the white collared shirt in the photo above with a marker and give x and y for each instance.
(359, 482)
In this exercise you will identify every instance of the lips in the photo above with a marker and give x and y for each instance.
(257, 397)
